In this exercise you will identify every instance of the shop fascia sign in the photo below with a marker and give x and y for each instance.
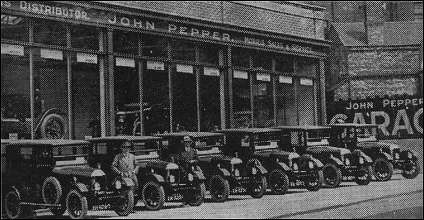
(137, 22)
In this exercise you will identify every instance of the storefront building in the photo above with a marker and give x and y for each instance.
(100, 67)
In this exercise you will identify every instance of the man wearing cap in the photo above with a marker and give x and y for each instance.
(124, 163)
(189, 153)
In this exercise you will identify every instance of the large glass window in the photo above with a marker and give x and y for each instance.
(14, 28)
(50, 32)
(286, 102)
(183, 50)
(263, 100)
(240, 57)
(241, 99)
(209, 54)
(50, 93)
(184, 98)
(154, 46)
(210, 112)
(84, 37)
(15, 93)
(306, 101)
(125, 42)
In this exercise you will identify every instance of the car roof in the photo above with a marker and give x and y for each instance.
(248, 130)
(303, 127)
(47, 142)
(354, 125)
(191, 134)
(124, 138)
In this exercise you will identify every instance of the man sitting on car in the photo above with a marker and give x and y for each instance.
(124, 163)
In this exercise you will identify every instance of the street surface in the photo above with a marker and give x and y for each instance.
(398, 198)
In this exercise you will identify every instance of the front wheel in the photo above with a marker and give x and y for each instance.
(257, 187)
(314, 182)
(278, 182)
(411, 170)
(125, 205)
(382, 169)
(332, 175)
(153, 195)
(219, 188)
(363, 177)
(197, 196)
(12, 207)
(76, 204)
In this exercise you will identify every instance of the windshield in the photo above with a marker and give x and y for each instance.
(208, 145)
(265, 141)
(317, 137)
(70, 155)
(146, 150)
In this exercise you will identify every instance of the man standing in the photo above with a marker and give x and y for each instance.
(124, 163)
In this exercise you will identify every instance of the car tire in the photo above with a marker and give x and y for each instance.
(219, 188)
(125, 206)
(257, 188)
(364, 176)
(415, 167)
(153, 195)
(76, 205)
(12, 208)
(51, 190)
(197, 196)
(278, 181)
(382, 169)
(332, 175)
(49, 132)
(315, 183)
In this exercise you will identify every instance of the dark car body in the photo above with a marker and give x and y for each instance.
(165, 179)
(338, 162)
(285, 168)
(386, 156)
(52, 173)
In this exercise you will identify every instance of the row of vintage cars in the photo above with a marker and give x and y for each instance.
(76, 176)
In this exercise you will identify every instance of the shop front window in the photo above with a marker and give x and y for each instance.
(306, 68)
(14, 28)
(285, 92)
(262, 61)
(50, 93)
(85, 95)
(184, 98)
(15, 93)
(125, 42)
(263, 101)
(209, 54)
(154, 46)
(84, 37)
(240, 57)
(241, 99)
(210, 112)
(183, 50)
(49, 32)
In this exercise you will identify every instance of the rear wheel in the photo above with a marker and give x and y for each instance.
(257, 186)
(219, 188)
(382, 169)
(125, 205)
(314, 182)
(363, 176)
(332, 175)
(153, 195)
(12, 207)
(278, 182)
(53, 126)
(411, 170)
(76, 204)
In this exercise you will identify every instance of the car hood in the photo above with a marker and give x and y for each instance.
(85, 171)
(219, 158)
(378, 144)
(278, 154)
(160, 164)
(327, 149)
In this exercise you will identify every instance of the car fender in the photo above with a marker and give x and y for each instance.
(336, 161)
(317, 162)
(81, 187)
(199, 175)
(385, 156)
(284, 166)
(261, 169)
(127, 181)
(223, 172)
(156, 177)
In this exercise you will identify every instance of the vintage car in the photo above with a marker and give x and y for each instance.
(54, 174)
(386, 156)
(159, 180)
(339, 163)
(285, 168)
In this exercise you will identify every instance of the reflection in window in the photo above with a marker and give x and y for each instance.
(241, 100)
(209, 99)
(263, 101)
(15, 96)
(51, 89)
(184, 101)
(50, 32)
(125, 42)
(156, 100)
(84, 37)
(14, 28)
(154, 46)
(183, 50)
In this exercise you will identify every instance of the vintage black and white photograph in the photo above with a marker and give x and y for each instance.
(211, 109)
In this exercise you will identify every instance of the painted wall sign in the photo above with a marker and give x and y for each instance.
(87, 58)
(122, 61)
(398, 117)
(263, 77)
(155, 65)
(240, 74)
(210, 71)
(181, 68)
(11, 49)
(285, 79)
(306, 82)
(51, 54)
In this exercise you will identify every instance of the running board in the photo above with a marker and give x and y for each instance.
(40, 204)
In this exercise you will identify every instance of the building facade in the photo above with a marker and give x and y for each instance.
(105, 68)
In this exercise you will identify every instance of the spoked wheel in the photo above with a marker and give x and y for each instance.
(53, 127)
(76, 204)
(12, 207)
(125, 205)
(52, 194)
(278, 182)
(363, 176)
(411, 170)
(257, 186)
(197, 196)
(314, 182)
(382, 169)
(219, 188)
(153, 195)
(332, 175)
